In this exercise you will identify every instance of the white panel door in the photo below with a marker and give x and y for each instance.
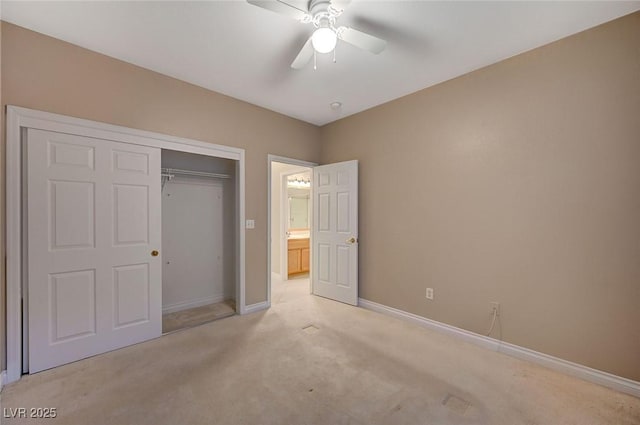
(334, 271)
(93, 220)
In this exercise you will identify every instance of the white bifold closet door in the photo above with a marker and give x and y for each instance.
(93, 224)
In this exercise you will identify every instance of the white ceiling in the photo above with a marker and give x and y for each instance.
(245, 51)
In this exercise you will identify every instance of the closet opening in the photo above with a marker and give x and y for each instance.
(198, 239)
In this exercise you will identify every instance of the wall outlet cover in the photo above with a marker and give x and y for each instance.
(429, 294)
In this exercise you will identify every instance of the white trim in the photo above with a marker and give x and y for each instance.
(283, 226)
(49, 121)
(275, 158)
(252, 308)
(13, 166)
(184, 305)
(240, 272)
(19, 118)
(595, 376)
(3, 379)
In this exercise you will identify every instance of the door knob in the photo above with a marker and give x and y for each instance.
(154, 253)
(352, 240)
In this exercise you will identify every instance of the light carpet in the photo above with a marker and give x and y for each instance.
(309, 360)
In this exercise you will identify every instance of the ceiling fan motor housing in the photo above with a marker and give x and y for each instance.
(323, 14)
(317, 6)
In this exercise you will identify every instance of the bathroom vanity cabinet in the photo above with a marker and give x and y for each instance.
(298, 256)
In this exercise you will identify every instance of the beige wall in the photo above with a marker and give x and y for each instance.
(43, 73)
(517, 183)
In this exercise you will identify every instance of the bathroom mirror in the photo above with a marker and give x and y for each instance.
(298, 210)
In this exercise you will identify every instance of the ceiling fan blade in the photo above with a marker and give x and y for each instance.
(362, 40)
(281, 8)
(304, 56)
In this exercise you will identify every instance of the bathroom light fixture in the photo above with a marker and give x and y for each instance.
(299, 183)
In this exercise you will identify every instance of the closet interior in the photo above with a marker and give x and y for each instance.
(198, 239)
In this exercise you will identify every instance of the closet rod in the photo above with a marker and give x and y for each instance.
(170, 172)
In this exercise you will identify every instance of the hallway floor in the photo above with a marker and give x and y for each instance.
(308, 360)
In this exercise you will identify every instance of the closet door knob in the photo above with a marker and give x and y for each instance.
(154, 253)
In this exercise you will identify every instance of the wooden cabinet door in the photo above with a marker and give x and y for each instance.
(304, 260)
(293, 261)
(298, 256)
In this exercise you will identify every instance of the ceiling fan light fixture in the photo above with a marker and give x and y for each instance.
(324, 40)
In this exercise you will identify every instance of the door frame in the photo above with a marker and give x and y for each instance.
(285, 160)
(18, 120)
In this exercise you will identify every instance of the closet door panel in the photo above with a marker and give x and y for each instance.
(132, 290)
(130, 214)
(93, 219)
(71, 210)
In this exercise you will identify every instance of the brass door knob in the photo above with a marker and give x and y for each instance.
(352, 240)
(154, 253)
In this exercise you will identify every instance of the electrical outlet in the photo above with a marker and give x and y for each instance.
(494, 306)
(251, 224)
(430, 293)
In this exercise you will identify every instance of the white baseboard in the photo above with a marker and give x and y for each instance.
(617, 383)
(184, 305)
(3, 378)
(252, 308)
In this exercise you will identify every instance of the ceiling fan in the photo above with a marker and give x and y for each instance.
(323, 15)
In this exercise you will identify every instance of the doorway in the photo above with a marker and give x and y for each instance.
(333, 227)
(295, 224)
(289, 230)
